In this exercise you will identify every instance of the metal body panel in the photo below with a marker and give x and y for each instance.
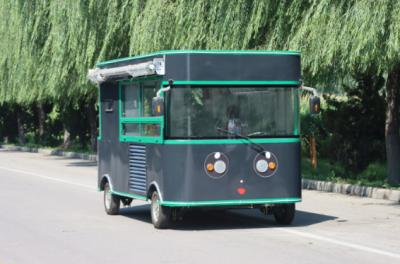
(224, 67)
(178, 168)
(113, 156)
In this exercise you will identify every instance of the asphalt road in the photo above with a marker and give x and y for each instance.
(51, 212)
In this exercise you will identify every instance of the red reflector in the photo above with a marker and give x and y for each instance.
(241, 190)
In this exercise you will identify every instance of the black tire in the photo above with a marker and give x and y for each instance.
(284, 213)
(111, 201)
(160, 215)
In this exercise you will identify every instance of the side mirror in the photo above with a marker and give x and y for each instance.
(315, 105)
(157, 106)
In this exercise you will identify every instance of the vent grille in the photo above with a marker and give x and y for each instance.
(137, 168)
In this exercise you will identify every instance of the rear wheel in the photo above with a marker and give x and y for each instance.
(160, 215)
(111, 201)
(284, 213)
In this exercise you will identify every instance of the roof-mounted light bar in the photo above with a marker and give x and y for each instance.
(156, 66)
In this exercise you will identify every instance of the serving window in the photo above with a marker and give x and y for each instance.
(136, 122)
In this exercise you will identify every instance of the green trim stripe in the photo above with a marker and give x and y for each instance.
(230, 202)
(213, 202)
(211, 82)
(143, 139)
(231, 52)
(143, 120)
(229, 141)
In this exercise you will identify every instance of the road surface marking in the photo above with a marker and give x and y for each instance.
(48, 178)
(341, 243)
(290, 231)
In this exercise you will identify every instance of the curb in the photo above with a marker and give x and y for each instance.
(53, 152)
(322, 186)
(355, 190)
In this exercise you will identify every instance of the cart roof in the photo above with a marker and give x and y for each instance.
(176, 52)
(199, 66)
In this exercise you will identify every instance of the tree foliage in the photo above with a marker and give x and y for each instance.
(47, 46)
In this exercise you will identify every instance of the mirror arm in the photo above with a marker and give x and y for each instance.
(165, 89)
(310, 89)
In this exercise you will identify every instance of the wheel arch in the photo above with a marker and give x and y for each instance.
(153, 186)
(106, 178)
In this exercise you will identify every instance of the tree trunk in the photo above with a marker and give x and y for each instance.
(313, 152)
(21, 131)
(392, 126)
(67, 138)
(41, 119)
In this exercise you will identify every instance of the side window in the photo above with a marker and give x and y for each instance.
(130, 95)
(136, 122)
(149, 89)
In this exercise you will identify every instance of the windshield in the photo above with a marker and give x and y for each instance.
(226, 112)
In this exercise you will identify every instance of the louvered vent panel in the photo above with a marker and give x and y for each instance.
(137, 168)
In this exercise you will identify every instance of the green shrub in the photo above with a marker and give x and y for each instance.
(325, 171)
(374, 172)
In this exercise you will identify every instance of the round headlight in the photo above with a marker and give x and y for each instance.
(262, 165)
(219, 166)
(265, 164)
(216, 165)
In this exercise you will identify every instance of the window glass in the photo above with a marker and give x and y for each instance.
(130, 100)
(226, 112)
(149, 90)
(141, 130)
(136, 107)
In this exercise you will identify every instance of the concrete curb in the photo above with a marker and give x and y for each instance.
(323, 186)
(349, 189)
(53, 152)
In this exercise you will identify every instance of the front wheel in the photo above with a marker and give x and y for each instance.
(160, 215)
(284, 213)
(111, 201)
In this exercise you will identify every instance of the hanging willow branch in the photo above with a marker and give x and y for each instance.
(48, 45)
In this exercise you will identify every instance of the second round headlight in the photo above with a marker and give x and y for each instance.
(262, 166)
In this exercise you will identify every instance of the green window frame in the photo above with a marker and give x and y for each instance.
(296, 98)
(141, 121)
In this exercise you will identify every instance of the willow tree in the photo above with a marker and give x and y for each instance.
(338, 37)
(48, 45)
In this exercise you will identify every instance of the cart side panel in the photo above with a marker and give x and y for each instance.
(112, 155)
(107, 94)
(155, 170)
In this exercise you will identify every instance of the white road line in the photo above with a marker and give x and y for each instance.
(47, 177)
(290, 231)
(341, 243)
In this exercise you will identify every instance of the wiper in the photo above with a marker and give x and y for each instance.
(255, 146)
(258, 133)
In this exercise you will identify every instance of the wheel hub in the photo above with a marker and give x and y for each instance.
(108, 199)
(155, 206)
